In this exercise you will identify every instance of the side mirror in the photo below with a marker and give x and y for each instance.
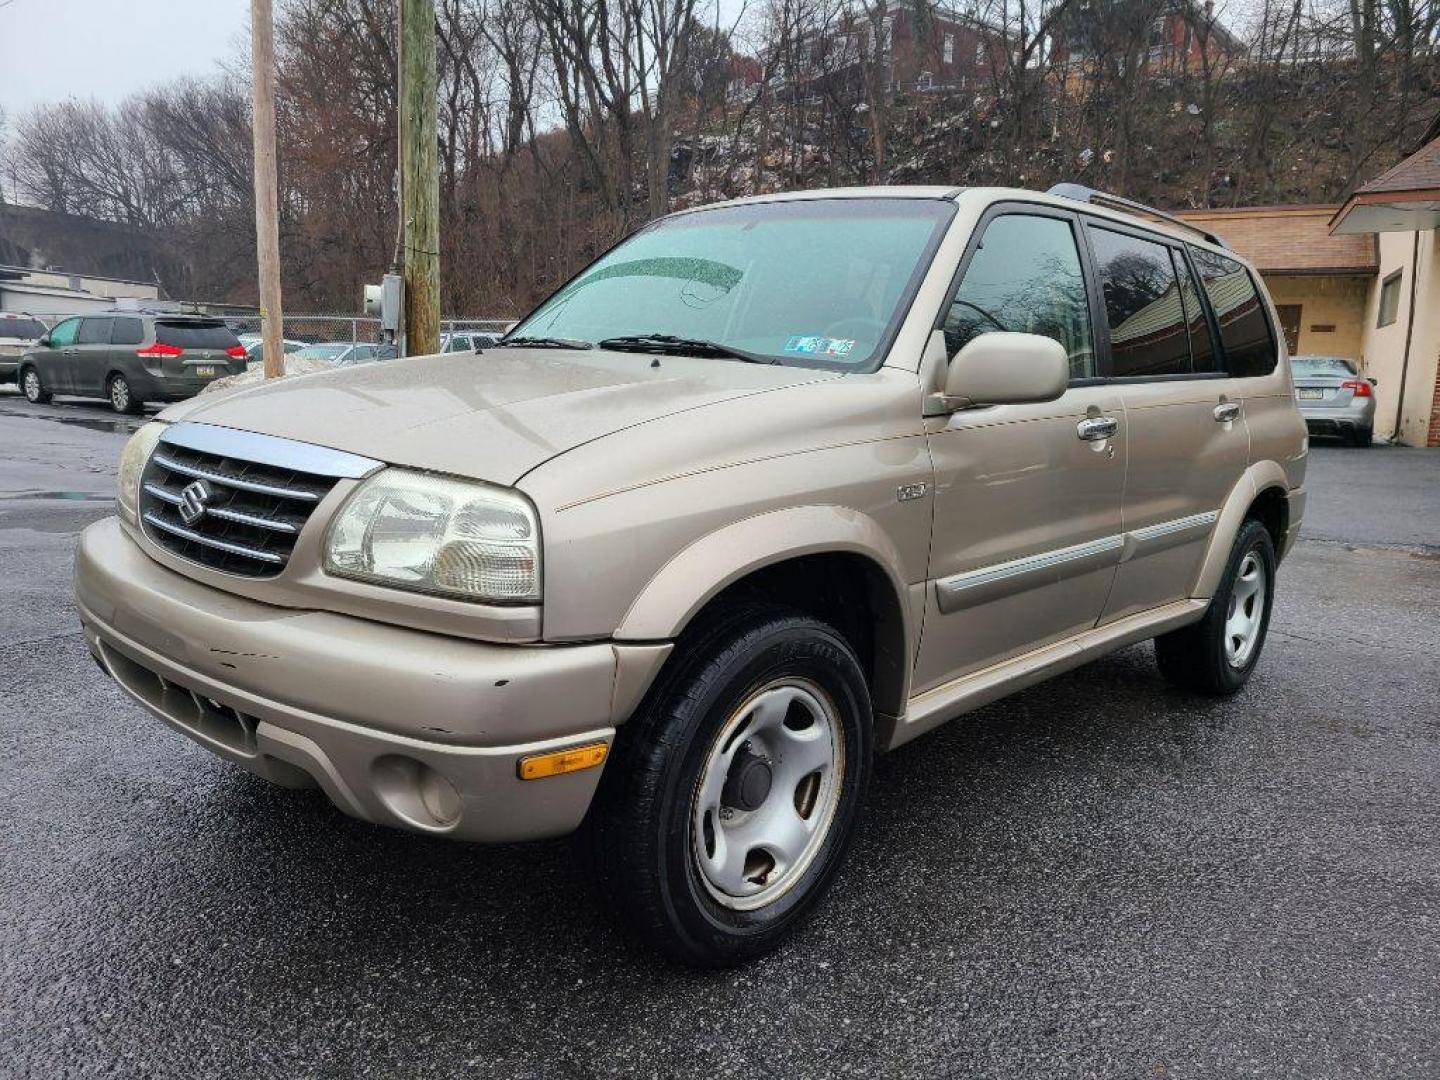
(1373, 382)
(1002, 368)
(43, 341)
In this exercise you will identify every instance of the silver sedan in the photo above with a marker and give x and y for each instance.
(1334, 399)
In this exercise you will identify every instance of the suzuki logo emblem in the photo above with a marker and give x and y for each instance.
(193, 501)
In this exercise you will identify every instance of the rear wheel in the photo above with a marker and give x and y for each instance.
(122, 398)
(1217, 654)
(1362, 437)
(33, 388)
(733, 794)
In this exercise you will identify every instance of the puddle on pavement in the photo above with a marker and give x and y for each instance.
(91, 423)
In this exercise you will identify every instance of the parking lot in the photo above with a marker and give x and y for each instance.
(1097, 877)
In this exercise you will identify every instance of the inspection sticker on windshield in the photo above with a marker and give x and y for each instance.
(811, 345)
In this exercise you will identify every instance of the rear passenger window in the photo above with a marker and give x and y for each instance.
(94, 332)
(1202, 346)
(1244, 327)
(1148, 333)
(1025, 277)
(127, 332)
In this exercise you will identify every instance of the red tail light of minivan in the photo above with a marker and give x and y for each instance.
(158, 351)
(235, 352)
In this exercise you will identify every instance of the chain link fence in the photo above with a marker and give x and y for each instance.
(351, 329)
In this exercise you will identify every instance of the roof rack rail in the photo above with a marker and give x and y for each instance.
(1081, 193)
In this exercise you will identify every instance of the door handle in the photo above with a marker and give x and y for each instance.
(1227, 411)
(1096, 428)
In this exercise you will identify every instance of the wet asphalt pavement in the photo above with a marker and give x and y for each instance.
(1097, 877)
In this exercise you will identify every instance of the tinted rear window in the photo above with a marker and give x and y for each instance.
(196, 335)
(1244, 326)
(1148, 333)
(1305, 366)
(21, 328)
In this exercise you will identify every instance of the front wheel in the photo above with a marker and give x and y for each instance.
(33, 388)
(733, 793)
(1217, 654)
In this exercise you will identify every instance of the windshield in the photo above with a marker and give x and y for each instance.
(1306, 366)
(323, 352)
(29, 329)
(820, 283)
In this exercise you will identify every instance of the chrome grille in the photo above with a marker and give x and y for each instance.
(235, 501)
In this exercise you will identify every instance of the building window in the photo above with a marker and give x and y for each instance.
(1389, 300)
(949, 48)
(980, 54)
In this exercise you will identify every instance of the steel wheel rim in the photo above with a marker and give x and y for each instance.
(119, 394)
(1245, 611)
(748, 858)
(32, 385)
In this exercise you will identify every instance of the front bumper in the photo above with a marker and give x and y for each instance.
(397, 726)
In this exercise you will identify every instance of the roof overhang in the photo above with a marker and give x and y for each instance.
(1388, 211)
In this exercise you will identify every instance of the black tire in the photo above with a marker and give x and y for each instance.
(32, 387)
(1361, 437)
(1195, 657)
(637, 838)
(122, 397)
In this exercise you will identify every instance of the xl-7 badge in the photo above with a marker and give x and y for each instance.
(906, 492)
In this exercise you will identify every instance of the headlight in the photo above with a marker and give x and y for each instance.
(132, 467)
(432, 534)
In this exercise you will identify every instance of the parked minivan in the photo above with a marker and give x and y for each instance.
(130, 359)
(772, 486)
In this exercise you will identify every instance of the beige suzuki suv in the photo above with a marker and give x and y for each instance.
(771, 487)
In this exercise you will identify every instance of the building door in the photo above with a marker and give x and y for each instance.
(1290, 323)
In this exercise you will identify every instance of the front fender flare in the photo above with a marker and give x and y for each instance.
(708, 565)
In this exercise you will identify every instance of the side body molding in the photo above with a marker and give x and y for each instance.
(701, 571)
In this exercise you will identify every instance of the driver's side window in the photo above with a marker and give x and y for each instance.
(64, 333)
(1025, 277)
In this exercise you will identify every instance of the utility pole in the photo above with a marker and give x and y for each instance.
(267, 223)
(419, 177)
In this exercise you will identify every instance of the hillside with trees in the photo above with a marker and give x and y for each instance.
(566, 124)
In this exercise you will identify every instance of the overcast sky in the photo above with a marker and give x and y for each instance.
(108, 49)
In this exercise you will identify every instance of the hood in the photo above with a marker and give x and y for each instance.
(492, 416)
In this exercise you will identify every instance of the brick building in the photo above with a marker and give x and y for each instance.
(951, 51)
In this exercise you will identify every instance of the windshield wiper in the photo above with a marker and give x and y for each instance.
(524, 342)
(663, 343)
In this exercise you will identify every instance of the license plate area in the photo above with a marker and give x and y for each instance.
(1309, 395)
(205, 371)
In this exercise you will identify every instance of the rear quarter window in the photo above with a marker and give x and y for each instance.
(1245, 332)
(127, 332)
(196, 335)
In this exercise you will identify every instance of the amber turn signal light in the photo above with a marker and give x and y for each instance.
(539, 766)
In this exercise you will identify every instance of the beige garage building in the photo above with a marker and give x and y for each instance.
(1360, 280)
